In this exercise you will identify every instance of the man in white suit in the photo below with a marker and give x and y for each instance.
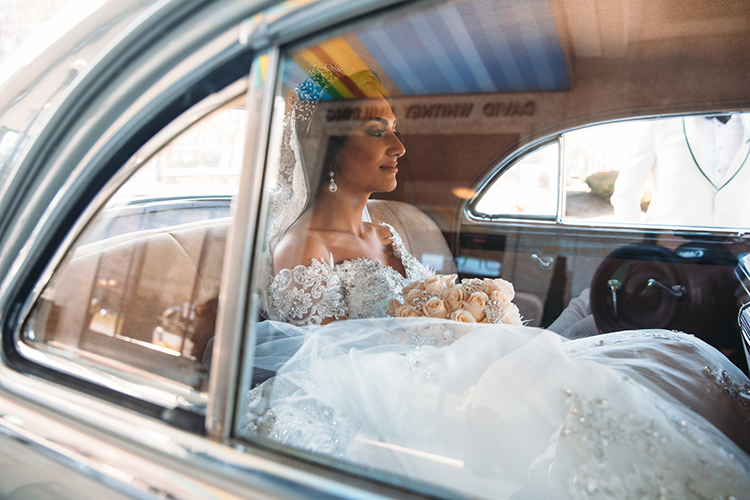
(701, 172)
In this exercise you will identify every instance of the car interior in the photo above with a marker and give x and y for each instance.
(520, 121)
(146, 296)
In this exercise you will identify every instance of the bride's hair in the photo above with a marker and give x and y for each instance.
(333, 128)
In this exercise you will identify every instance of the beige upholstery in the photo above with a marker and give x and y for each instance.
(115, 295)
(420, 234)
(124, 287)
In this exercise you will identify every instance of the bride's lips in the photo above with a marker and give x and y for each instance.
(391, 167)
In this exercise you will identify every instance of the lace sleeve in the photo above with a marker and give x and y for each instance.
(306, 295)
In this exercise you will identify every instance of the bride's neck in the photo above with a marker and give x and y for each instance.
(339, 212)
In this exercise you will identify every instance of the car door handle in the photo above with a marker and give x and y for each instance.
(614, 287)
(544, 261)
(676, 292)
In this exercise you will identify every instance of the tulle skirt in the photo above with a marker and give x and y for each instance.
(507, 411)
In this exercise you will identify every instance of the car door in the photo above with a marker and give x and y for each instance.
(119, 236)
(126, 399)
(644, 271)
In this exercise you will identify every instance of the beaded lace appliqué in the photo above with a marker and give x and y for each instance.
(601, 434)
(358, 288)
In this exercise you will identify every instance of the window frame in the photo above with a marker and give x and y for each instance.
(198, 73)
(504, 166)
(171, 395)
(471, 215)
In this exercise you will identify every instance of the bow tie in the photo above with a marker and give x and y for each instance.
(722, 118)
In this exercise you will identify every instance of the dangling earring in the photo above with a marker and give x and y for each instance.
(332, 187)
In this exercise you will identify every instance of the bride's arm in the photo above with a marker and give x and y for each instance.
(305, 289)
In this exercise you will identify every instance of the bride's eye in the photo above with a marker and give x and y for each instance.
(375, 132)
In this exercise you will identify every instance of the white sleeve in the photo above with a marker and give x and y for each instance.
(636, 160)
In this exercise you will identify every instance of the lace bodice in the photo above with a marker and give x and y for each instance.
(353, 289)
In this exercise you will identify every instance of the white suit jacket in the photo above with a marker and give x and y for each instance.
(683, 193)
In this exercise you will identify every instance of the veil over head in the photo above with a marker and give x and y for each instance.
(301, 160)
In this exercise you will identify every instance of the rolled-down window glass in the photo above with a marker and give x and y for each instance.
(392, 333)
(133, 302)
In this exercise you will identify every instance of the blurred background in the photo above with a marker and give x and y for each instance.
(20, 18)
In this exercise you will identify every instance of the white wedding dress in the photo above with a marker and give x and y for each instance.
(495, 410)
(359, 288)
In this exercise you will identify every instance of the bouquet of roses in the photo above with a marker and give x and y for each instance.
(471, 301)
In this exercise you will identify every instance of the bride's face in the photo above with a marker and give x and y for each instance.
(368, 159)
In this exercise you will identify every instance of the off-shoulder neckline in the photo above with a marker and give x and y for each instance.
(398, 247)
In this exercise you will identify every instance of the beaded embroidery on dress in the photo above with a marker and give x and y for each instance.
(506, 411)
(495, 411)
(353, 289)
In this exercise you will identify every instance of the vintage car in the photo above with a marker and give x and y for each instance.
(139, 143)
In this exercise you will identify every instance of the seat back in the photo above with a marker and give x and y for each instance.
(421, 236)
(151, 293)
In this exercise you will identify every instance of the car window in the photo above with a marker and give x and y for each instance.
(637, 172)
(528, 188)
(612, 171)
(136, 295)
(412, 235)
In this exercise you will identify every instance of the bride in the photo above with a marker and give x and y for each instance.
(492, 410)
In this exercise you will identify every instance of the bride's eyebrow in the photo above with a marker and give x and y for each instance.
(380, 120)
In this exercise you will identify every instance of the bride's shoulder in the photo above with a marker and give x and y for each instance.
(299, 247)
(384, 231)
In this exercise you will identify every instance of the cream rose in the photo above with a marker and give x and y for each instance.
(435, 308)
(434, 283)
(449, 280)
(417, 285)
(407, 311)
(393, 306)
(454, 296)
(411, 296)
(478, 299)
(512, 315)
(476, 312)
(499, 289)
(462, 316)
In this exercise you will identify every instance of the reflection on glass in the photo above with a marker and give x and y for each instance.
(365, 358)
(592, 158)
(138, 292)
(682, 171)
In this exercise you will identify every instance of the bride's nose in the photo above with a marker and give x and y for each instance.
(396, 148)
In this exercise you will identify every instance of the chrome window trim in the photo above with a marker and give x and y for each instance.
(469, 213)
(149, 458)
(221, 48)
(561, 201)
(598, 226)
(236, 275)
(503, 166)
